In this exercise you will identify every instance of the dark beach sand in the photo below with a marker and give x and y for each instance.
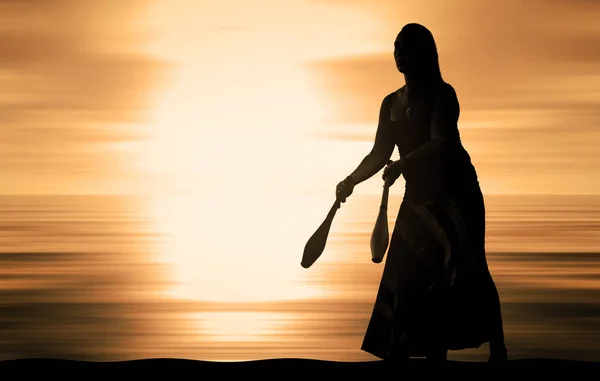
(292, 368)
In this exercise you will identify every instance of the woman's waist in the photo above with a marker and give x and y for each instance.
(440, 180)
(440, 170)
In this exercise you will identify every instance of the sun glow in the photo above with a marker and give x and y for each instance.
(238, 180)
(230, 208)
(241, 326)
(230, 211)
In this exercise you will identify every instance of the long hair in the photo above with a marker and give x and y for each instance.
(421, 36)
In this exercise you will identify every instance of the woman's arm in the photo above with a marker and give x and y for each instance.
(382, 150)
(443, 126)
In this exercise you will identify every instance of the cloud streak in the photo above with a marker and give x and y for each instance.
(70, 72)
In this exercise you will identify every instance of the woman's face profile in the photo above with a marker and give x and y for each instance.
(400, 53)
(410, 53)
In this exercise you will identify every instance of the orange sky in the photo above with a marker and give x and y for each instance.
(74, 88)
(83, 83)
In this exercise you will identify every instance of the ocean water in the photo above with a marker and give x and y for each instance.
(82, 277)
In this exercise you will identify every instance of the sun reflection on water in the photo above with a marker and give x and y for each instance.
(240, 326)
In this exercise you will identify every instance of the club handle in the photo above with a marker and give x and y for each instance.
(386, 190)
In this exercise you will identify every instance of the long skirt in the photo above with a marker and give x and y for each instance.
(436, 292)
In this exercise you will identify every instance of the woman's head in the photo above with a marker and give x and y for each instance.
(415, 52)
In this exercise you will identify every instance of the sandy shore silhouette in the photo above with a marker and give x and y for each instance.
(294, 367)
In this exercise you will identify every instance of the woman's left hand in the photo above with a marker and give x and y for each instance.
(393, 170)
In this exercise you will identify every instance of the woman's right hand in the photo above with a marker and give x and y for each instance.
(344, 189)
(393, 170)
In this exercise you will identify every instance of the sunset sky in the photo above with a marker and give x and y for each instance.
(96, 94)
(233, 120)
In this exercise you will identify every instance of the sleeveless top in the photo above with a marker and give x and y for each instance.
(437, 176)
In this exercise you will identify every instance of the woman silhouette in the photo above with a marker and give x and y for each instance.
(436, 293)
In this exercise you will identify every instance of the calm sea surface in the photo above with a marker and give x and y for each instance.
(81, 277)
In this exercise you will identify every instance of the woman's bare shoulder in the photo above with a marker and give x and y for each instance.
(394, 96)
